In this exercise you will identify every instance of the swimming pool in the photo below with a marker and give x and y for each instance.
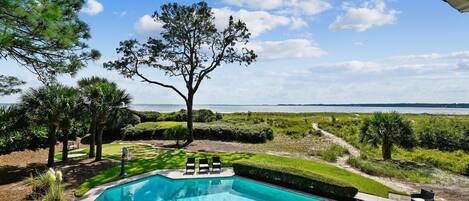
(160, 188)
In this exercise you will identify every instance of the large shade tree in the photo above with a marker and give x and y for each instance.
(386, 129)
(45, 106)
(105, 101)
(190, 47)
(45, 36)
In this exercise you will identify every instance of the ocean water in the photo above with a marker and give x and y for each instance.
(298, 109)
(159, 188)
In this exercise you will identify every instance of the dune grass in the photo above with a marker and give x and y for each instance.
(146, 158)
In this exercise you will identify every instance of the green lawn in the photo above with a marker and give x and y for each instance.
(146, 158)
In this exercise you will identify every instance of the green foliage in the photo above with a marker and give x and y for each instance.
(314, 169)
(17, 133)
(30, 138)
(331, 153)
(214, 131)
(9, 84)
(46, 36)
(296, 179)
(443, 134)
(149, 159)
(148, 116)
(177, 133)
(457, 161)
(48, 186)
(227, 132)
(202, 115)
(296, 125)
(107, 108)
(404, 170)
(387, 129)
(51, 106)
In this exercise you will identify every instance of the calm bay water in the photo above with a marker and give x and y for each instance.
(298, 109)
(295, 109)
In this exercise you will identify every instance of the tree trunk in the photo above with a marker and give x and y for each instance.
(65, 132)
(386, 148)
(52, 140)
(99, 142)
(92, 137)
(190, 131)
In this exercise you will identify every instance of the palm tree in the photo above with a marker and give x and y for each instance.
(386, 129)
(89, 91)
(71, 108)
(45, 105)
(105, 101)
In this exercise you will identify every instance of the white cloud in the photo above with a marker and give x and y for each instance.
(433, 56)
(297, 23)
(372, 13)
(92, 7)
(121, 14)
(256, 4)
(148, 25)
(257, 22)
(296, 7)
(403, 65)
(306, 7)
(353, 65)
(286, 49)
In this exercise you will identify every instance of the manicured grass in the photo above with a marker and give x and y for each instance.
(151, 159)
(160, 125)
(331, 172)
(110, 150)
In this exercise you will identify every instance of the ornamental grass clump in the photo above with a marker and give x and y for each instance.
(48, 186)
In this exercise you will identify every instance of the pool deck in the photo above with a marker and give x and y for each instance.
(94, 193)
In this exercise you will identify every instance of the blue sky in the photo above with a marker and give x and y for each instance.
(310, 51)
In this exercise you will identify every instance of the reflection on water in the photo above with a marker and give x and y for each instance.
(158, 188)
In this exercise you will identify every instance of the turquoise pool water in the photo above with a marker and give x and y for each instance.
(159, 188)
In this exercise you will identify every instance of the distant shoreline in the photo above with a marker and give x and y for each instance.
(424, 105)
(384, 105)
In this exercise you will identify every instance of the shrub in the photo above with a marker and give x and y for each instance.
(443, 134)
(178, 132)
(202, 115)
(47, 186)
(148, 116)
(291, 177)
(23, 139)
(226, 132)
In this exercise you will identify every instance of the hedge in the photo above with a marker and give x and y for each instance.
(202, 115)
(224, 132)
(293, 178)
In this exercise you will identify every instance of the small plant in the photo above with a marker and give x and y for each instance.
(48, 186)
(178, 132)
